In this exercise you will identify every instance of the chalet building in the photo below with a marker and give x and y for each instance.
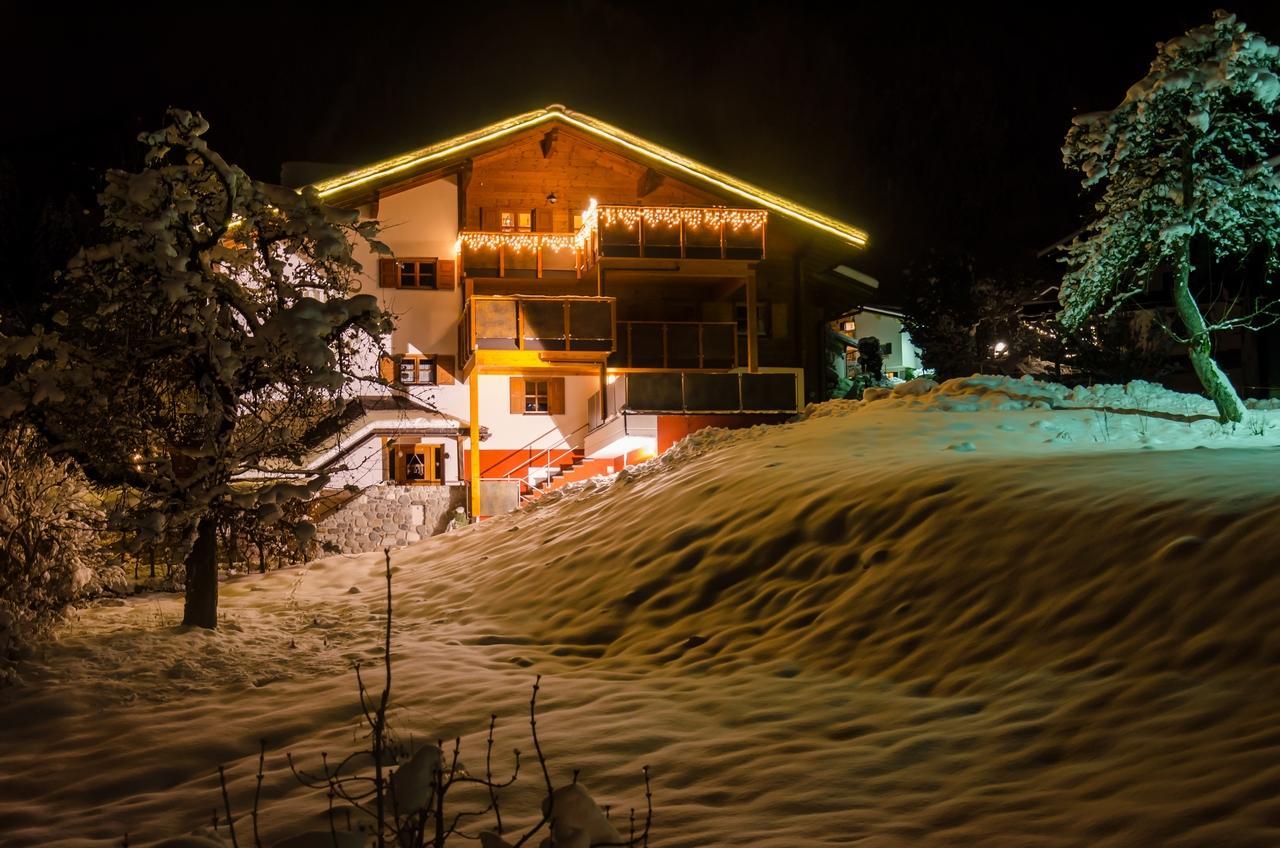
(571, 298)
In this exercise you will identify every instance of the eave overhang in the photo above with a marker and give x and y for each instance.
(454, 150)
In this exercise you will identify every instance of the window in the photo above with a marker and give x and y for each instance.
(417, 273)
(413, 464)
(764, 315)
(886, 349)
(418, 370)
(515, 221)
(540, 396)
(537, 396)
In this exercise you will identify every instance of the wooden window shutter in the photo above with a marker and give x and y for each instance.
(389, 369)
(388, 471)
(555, 395)
(388, 274)
(445, 366)
(517, 395)
(446, 274)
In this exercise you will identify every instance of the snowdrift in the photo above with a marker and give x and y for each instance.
(993, 612)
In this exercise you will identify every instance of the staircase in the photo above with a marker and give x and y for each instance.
(572, 468)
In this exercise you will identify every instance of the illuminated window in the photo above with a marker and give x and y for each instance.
(537, 396)
(417, 273)
(413, 464)
(515, 221)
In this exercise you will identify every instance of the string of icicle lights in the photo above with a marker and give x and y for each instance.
(593, 217)
(691, 216)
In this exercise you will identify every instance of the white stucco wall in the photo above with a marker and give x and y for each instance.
(887, 328)
(517, 431)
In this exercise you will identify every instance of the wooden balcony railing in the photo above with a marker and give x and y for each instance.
(534, 322)
(676, 344)
(517, 254)
(647, 232)
(681, 232)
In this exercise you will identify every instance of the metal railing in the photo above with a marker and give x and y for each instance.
(551, 457)
(537, 322)
(676, 344)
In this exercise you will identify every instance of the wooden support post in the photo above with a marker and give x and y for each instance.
(475, 445)
(604, 392)
(722, 251)
(753, 363)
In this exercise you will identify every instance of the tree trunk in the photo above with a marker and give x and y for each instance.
(201, 607)
(1200, 345)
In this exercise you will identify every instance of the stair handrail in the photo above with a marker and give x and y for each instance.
(511, 474)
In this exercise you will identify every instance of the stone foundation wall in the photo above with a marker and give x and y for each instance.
(390, 517)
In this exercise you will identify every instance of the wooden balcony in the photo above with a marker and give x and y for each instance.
(522, 254)
(676, 344)
(538, 328)
(680, 232)
(612, 231)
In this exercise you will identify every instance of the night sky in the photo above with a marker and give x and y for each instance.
(933, 131)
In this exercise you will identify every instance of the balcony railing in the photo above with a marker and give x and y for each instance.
(520, 254)
(647, 232)
(534, 322)
(705, 393)
(676, 344)
(681, 232)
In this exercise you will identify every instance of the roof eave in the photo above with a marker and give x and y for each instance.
(443, 153)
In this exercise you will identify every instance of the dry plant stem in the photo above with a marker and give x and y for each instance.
(257, 791)
(226, 802)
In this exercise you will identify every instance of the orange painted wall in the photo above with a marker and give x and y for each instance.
(500, 463)
(673, 428)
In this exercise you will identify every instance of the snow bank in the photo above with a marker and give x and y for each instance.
(851, 629)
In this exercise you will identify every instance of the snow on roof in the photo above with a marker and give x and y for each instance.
(445, 152)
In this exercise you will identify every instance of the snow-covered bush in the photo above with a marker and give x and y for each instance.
(49, 522)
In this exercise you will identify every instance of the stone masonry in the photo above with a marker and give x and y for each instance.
(391, 516)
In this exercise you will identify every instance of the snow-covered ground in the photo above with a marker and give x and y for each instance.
(998, 613)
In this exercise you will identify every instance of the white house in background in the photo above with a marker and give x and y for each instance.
(883, 323)
(571, 298)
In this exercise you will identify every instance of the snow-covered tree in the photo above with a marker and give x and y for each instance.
(1185, 158)
(190, 357)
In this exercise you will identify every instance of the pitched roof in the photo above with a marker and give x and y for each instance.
(459, 147)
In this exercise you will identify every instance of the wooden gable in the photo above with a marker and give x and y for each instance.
(522, 174)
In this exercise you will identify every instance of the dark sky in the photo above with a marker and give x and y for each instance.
(929, 129)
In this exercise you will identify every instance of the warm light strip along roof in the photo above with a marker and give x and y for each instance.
(444, 151)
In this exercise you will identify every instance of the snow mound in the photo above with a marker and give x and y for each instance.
(843, 630)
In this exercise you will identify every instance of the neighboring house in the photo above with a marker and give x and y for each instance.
(883, 323)
(571, 298)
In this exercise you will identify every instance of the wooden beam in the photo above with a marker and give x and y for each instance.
(753, 358)
(649, 182)
(464, 180)
(548, 143)
(475, 447)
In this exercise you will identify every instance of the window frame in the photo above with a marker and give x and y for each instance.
(420, 361)
(417, 276)
(396, 469)
(533, 396)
